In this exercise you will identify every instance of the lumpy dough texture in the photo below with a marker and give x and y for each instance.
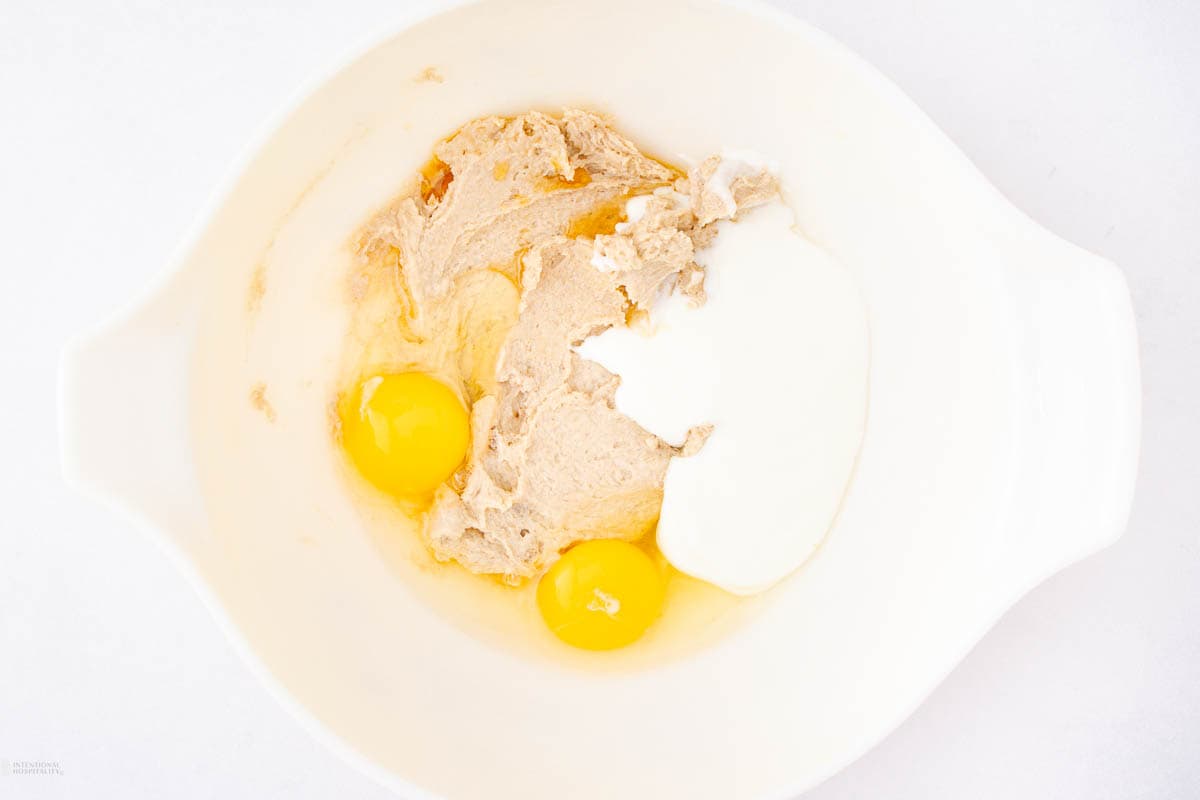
(514, 248)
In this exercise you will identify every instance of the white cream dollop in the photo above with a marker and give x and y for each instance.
(776, 359)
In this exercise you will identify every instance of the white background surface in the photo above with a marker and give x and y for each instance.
(118, 118)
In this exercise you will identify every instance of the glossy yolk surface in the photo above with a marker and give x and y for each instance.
(601, 594)
(406, 433)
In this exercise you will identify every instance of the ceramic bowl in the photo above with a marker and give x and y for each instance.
(1000, 445)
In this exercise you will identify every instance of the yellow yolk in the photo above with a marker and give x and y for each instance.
(601, 594)
(406, 433)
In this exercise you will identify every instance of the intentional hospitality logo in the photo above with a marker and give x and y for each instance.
(30, 767)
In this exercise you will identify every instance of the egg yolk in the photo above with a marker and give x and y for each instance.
(601, 594)
(406, 433)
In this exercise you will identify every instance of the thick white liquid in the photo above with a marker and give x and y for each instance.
(776, 359)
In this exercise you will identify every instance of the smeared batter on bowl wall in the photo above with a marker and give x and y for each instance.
(514, 246)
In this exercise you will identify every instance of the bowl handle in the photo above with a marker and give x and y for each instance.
(123, 411)
(1077, 344)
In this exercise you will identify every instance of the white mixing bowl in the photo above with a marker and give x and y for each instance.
(1000, 446)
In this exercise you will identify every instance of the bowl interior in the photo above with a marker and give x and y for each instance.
(921, 559)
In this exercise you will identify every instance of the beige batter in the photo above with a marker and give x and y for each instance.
(513, 249)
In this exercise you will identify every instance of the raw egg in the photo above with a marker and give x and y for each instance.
(406, 433)
(601, 594)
